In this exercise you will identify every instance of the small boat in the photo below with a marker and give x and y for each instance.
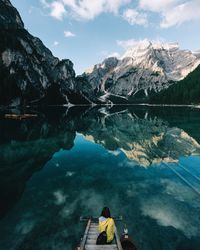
(20, 117)
(88, 241)
(127, 243)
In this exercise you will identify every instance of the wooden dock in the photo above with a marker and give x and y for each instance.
(90, 236)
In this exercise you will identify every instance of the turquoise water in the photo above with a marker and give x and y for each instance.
(144, 163)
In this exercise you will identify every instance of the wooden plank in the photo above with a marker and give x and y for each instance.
(94, 226)
(94, 237)
(93, 241)
(92, 234)
(119, 245)
(82, 246)
(94, 230)
(101, 247)
(85, 218)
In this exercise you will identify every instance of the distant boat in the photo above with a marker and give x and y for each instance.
(88, 242)
(20, 117)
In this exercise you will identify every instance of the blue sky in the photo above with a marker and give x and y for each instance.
(87, 31)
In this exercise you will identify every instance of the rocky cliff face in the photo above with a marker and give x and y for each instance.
(9, 16)
(29, 73)
(144, 69)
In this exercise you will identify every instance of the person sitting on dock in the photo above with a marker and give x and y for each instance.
(106, 223)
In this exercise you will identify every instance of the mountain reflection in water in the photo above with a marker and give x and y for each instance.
(71, 162)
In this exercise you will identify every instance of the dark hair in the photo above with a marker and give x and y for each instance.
(106, 212)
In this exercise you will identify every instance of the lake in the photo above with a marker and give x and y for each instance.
(142, 162)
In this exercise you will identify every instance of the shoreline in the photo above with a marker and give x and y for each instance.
(106, 104)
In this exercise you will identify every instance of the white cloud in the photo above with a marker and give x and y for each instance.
(189, 11)
(128, 163)
(83, 9)
(55, 43)
(169, 213)
(107, 54)
(69, 34)
(87, 9)
(173, 12)
(157, 5)
(115, 152)
(57, 8)
(179, 191)
(134, 17)
(69, 174)
(44, 3)
(60, 197)
(114, 54)
(125, 44)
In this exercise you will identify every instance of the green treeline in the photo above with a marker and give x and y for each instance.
(186, 91)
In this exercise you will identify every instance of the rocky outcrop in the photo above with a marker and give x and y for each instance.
(145, 69)
(9, 16)
(29, 73)
(97, 75)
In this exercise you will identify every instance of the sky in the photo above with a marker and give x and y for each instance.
(88, 31)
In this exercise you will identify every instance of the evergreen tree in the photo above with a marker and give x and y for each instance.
(186, 91)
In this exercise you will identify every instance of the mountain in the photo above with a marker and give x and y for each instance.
(29, 73)
(145, 69)
(186, 91)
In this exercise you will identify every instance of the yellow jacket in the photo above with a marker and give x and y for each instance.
(107, 225)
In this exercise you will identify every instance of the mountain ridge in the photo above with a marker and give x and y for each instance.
(145, 69)
(30, 74)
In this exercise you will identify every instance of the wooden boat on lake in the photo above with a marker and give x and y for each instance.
(20, 116)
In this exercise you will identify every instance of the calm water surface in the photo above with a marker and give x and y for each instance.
(144, 163)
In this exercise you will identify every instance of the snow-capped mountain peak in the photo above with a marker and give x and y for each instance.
(162, 57)
(146, 66)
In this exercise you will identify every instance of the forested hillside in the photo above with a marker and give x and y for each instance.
(186, 91)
